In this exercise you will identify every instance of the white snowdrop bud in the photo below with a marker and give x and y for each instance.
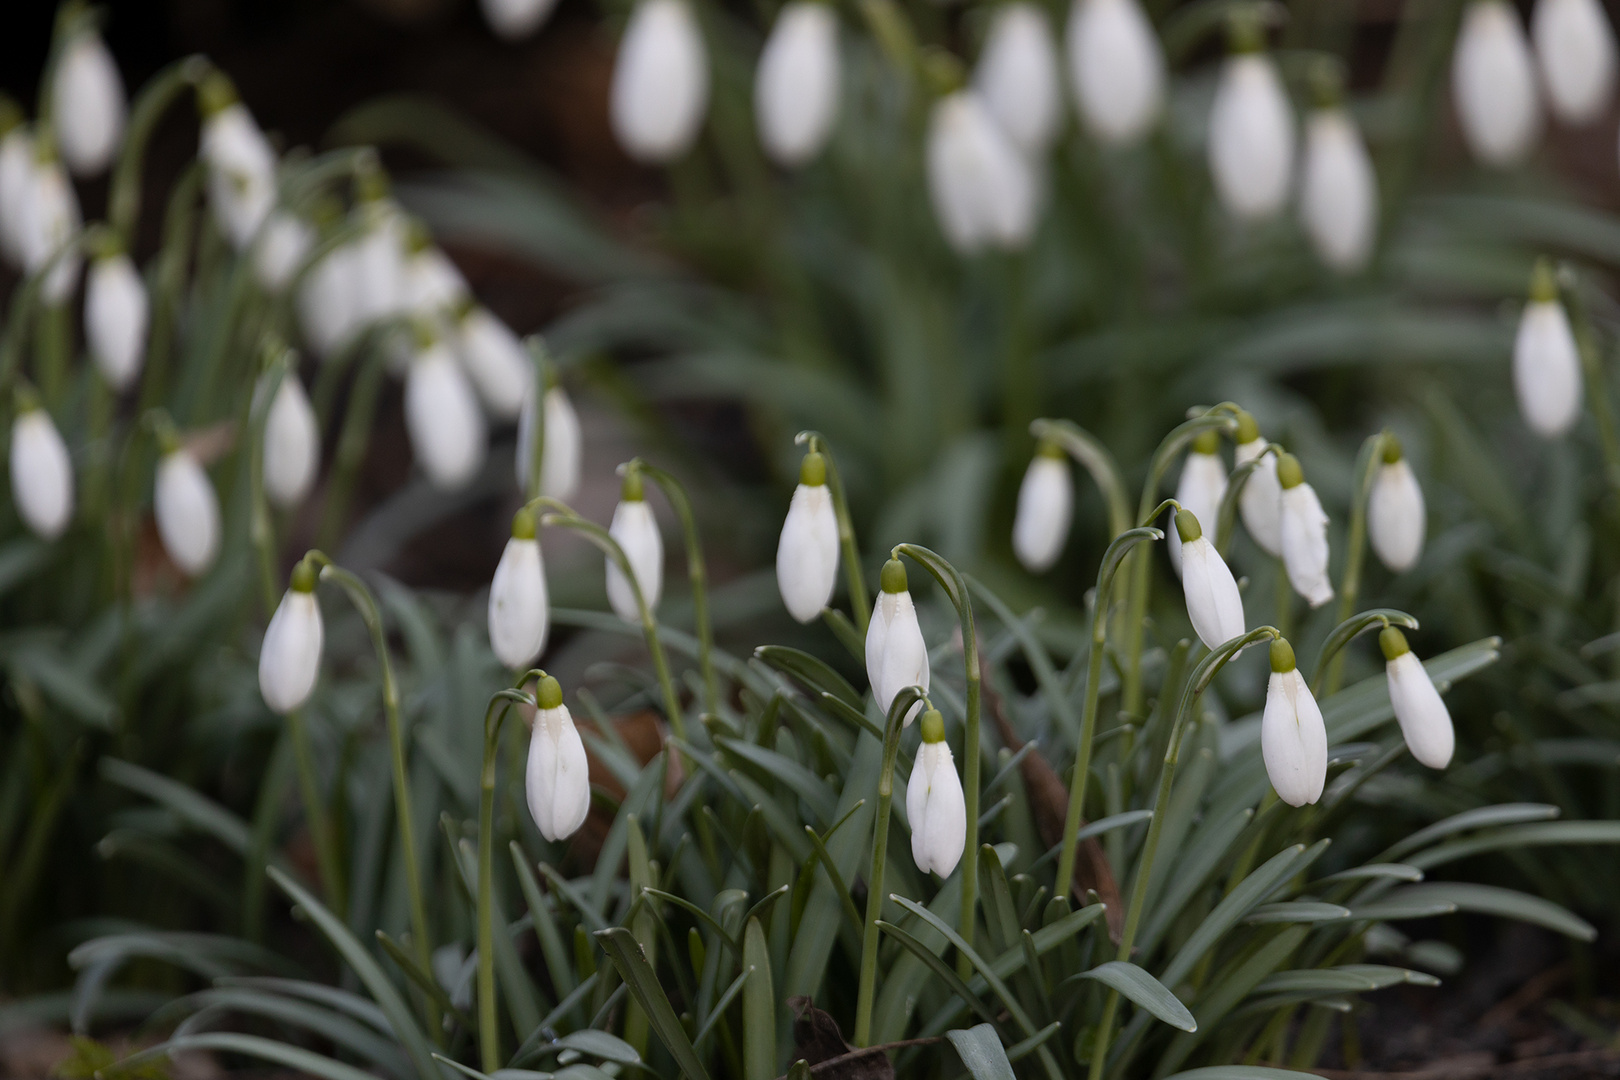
(430, 282)
(1260, 501)
(442, 418)
(1251, 135)
(514, 20)
(660, 82)
(519, 610)
(636, 530)
(87, 104)
(496, 360)
(1302, 526)
(796, 86)
(934, 804)
(1338, 198)
(1395, 516)
(1494, 84)
(1045, 505)
(50, 220)
(1017, 75)
(187, 511)
(290, 657)
(16, 178)
(116, 315)
(241, 163)
(378, 254)
(807, 554)
(896, 655)
(41, 471)
(1425, 721)
(327, 313)
(1213, 602)
(1116, 67)
(983, 188)
(1200, 490)
(281, 250)
(1293, 740)
(1546, 363)
(557, 781)
(1576, 53)
(564, 449)
(292, 444)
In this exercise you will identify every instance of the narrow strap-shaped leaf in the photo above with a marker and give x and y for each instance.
(402, 958)
(1253, 889)
(946, 973)
(1297, 911)
(255, 1046)
(545, 925)
(1495, 900)
(632, 965)
(759, 1007)
(1018, 1051)
(720, 1007)
(703, 916)
(1479, 818)
(1145, 990)
(812, 671)
(981, 1052)
(1242, 1072)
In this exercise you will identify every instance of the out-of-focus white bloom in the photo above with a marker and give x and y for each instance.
(1213, 602)
(796, 86)
(1546, 363)
(1045, 505)
(1293, 739)
(636, 530)
(16, 178)
(290, 658)
(1576, 53)
(519, 610)
(187, 511)
(292, 444)
(87, 104)
(41, 473)
(116, 314)
(1425, 721)
(1116, 67)
(514, 20)
(1251, 137)
(241, 163)
(660, 82)
(1494, 84)
(564, 448)
(558, 776)
(934, 804)
(50, 220)
(1338, 197)
(326, 307)
(896, 655)
(1260, 501)
(496, 360)
(442, 418)
(984, 190)
(431, 285)
(281, 250)
(1302, 525)
(1395, 515)
(1017, 75)
(378, 262)
(1200, 490)
(807, 554)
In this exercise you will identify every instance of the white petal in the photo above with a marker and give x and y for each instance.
(636, 530)
(1017, 75)
(1494, 84)
(983, 188)
(1547, 369)
(1395, 516)
(660, 82)
(1251, 138)
(1116, 67)
(564, 449)
(513, 20)
(1199, 491)
(1293, 740)
(796, 86)
(281, 250)
(16, 180)
(290, 657)
(326, 307)
(1213, 602)
(292, 444)
(557, 777)
(1338, 199)
(442, 419)
(1425, 721)
(241, 173)
(50, 220)
(41, 474)
(1303, 527)
(187, 512)
(496, 360)
(88, 105)
(897, 657)
(519, 609)
(377, 256)
(1045, 505)
(1260, 501)
(807, 554)
(116, 315)
(432, 285)
(936, 810)
(1576, 51)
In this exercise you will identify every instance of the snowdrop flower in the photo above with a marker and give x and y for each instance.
(326, 308)
(187, 511)
(241, 164)
(1424, 719)
(896, 655)
(807, 554)
(1546, 364)
(442, 418)
(1251, 132)
(1045, 505)
(1201, 488)
(290, 658)
(796, 86)
(519, 611)
(378, 254)
(50, 220)
(496, 360)
(1293, 740)
(116, 315)
(16, 177)
(1302, 526)
(1338, 197)
(1116, 67)
(1494, 84)
(564, 447)
(1017, 75)
(87, 103)
(430, 284)
(1395, 517)
(514, 20)
(281, 250)
(636, 530)
(1213, 602)
(557, 780)
(1576, 52)
(1260, 501)
(660, 82)
(934, 803)
(983, 188)
(41, 470)
(292, 444)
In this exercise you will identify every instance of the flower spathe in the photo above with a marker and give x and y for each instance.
(496, 360)
(1575, 51)
(116, 316)
(1251, 138)
(241, 168)
(896, 654)
(1293, 739)
(557, 780)
(1200, 490)
(1425, 721)
(443, 419)
(1338, 198)
(1546, 363)
(564, 447)
(660, 86)
(187, 512)
(1493, 82)
(1214, 603)
(514, 20)
(1017, 75)
(1260, 501)
(934, 804)
(796, 87)
(807, 553)
(1302, 526)
(636, 530)
(292, 444)
(1395, 511)
(1116, 68)
(290, 657)
(983, 188)
(519, 608)
(87, 104)
(1045, 506)
(41, 473)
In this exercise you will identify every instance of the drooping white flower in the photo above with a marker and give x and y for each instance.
(1200, 490)
(378, 257)
(1293, 739)
(934, 804)
(660, 82)
(442, 418)
(1251, 137)
(1302, 526)
(187, 511)
(1116, 68)
(796, 87)
(241, 163)
(16, 178)
(636, 530)
(807, 554)
(1575, 51)
(41, 473)
(326, 308)
(1338, 198)
(1395, 514)
(292, 444)
(496, 360)
(1017, 75)
(290, 657)
(1045, 505)
(87, 104)
(514, 20)
(1546, 363)
(281, 250)
(983, 188)
(564, 447)
(1425, 721)
(116, 315)
(50, 221)
(1260, 501)
(557, 781)
(431, 285)
(1493, 82)
(519, 609)
(1213, 602)
(896, 655)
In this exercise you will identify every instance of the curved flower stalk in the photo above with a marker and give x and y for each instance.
(1546, 364)
(1425, 721)
(984, 191)
(41, 469)
(1395, 511)
(292, 444)
(1116, 68)
(442, 417)
(636, 531)
(1293, 740)
(934, 803)
(88, 112)
(896, 654)
(241, 163)
(1251, 131)
(1045, 508)
(1493, 82)
(1094, 457)
(186, 507)
(117, 315)
(1575, 52)
(170, 85)
(807, 553)
(796, 87)
(519, 607)
(1302, 524)
(1213, 602)
(1338, 197)
(1017, 76)
(1201, 488)
(16, 174)
(495, 360)
(514, 20)
(660, 86)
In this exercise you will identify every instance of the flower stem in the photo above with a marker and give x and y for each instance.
(320, 828)
(860, 604)
(537, 449)
(1592, 368)
(164, 89)
(1094, 457)
(351, 447)
(697, 572)
(1355, 545)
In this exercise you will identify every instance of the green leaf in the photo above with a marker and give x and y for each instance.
(1538, 834)
(70, 690)
(1256, 887)
(981, 1052)
(811, 671)
(1146, 991)
(1494, 900)
(940, 968)
(272, 1050)
(1480, 818)
(599, 1044)
(759, 1007)
(1297, 911)
(632, 965)
(795, 777)
(720, 1008)
(1242, 1072)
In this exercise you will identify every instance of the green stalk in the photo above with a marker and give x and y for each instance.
(53, 341)
(260, 527)
(696, 571)
(1592, 367)
(163, 90)
(1355, 546)
(1347, 631)
(1094, 457)
(352, 442)
(537, 452)
(169, 282)
(320, 827)
(860, 603)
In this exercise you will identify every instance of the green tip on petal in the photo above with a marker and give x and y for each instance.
(1247, 429)
(304, 576)
(1282, 656)
(523, 524)
(1187, 526)
(215, 93)
(1289, 473)
(548, 694)
(1392, 448)
(893, 578)
(933, 726)
(813, 470)
(1392, 642)
(1207, 441)
(1543, 282)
